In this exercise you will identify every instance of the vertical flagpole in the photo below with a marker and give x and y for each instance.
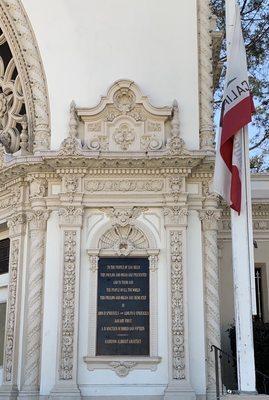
(242, 260)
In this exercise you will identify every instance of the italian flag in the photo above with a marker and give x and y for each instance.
(237, 109)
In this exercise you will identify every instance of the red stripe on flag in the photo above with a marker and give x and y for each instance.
(237, 117)
(235, 190)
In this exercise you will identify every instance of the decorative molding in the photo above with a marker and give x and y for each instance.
(93, 262)
(175, 144)
(122, 365)
(70, 146)
(205, 76)
(12, 199)
(68, 306)
(38, 187)
(123, 216)
(70, 215)
(20, 37)
(11, 310)
(176, 187)
(153, 262)
(124, 122)
(126, 185)
(177, 306)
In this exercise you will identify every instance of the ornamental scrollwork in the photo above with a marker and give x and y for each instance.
(16, 224)
(68, 306)
(122, 368)
(177, 305)
(210, 218)
(38, 219)
(126, 185)
(11, 312)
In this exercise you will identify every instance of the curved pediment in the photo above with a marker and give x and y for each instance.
(124, 121)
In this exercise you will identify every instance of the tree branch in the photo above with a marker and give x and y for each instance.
(265, 137)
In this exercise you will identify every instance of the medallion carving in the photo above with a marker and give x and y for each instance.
(124, 136)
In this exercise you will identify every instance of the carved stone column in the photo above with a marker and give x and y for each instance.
(33, 304)
(209, 218)
(9, 388)
(66, 381)
(205, 75)
(179, 385)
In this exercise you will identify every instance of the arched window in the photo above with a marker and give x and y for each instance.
(24, 107)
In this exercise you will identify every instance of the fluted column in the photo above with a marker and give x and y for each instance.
(205, 75)
(34, 301)
(66, 380)
(209, 218)
(9, 388)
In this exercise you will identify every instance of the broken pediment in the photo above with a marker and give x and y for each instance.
(125, 122)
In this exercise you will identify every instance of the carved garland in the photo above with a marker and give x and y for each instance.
(68, 301)
(177, 306)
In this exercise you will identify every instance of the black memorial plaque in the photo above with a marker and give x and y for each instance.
(123, 306)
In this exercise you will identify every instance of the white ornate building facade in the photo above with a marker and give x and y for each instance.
(122, 181)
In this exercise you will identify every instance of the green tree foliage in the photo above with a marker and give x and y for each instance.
(255, 24)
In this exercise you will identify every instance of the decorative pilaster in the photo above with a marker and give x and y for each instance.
(70, 218)
(179, 386)
(9, 388)
(37, 219)
(209, 218)
(205, 75)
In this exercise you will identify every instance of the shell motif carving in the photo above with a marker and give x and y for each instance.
(123, 240)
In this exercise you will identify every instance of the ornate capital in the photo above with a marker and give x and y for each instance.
(70, 215)
(38, 219)
(210, 218)
(175, 215)
(16, 224)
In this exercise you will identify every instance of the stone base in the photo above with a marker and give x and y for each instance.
(8, 392)
(65, 392)
(29, 392)
(179, 391)
(245, 397)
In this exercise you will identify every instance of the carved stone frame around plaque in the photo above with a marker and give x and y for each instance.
(135, 241)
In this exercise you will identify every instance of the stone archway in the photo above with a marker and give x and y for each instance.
(20, 37)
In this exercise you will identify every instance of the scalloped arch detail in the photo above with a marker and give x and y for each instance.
(22, 42)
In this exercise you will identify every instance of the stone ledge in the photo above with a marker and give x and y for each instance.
(245, 397)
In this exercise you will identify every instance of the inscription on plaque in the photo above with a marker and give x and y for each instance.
(123, 306)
